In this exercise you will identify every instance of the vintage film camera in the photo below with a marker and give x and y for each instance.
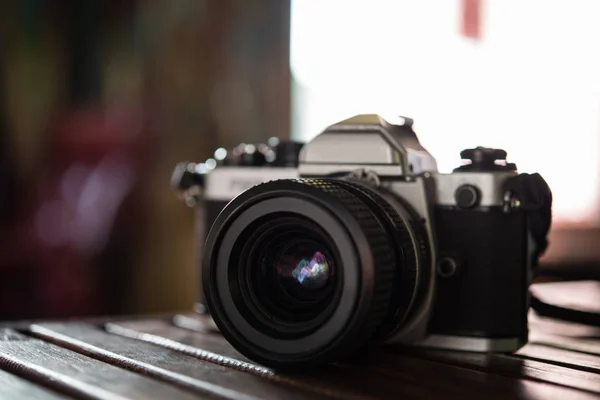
(365, 242)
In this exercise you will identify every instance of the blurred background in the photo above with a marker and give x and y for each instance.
(99, 99)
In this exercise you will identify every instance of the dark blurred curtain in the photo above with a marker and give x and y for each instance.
(8, 172)
(101, 100)
(217, 74)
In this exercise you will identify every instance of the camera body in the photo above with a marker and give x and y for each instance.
(482, 253)
(465, 243)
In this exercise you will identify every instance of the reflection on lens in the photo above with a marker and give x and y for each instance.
(312, 273)
(305, 266)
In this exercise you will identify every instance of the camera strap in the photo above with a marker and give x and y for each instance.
(563, 313)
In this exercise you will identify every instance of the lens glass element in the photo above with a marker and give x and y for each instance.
(287, 275)
(303, 266)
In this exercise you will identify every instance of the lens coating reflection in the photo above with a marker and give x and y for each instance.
(304, 265)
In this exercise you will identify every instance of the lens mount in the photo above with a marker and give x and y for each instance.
(301, 272)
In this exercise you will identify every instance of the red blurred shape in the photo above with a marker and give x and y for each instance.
(471, 11)
(84, 193)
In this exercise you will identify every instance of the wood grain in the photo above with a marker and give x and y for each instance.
(512, 366)
(10, 334)
(266, 384)
(565, 358)
(465, 381)
(385, 368)
(15, 387)
(185, 357)
(336, 381)
(79, 376)
(165, 364)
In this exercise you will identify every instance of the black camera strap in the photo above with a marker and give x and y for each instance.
(563, 313)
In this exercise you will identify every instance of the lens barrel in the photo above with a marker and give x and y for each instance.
(303, 272)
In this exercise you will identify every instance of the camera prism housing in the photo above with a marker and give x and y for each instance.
(366, 242)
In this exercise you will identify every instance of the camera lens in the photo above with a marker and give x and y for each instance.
(286, 275)
(302, 272)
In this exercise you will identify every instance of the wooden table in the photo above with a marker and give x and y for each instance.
(181, 357)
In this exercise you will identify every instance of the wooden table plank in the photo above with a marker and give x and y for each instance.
(71, 373)
(395, 370)
(565, 358)
(513, 366)
(109, 348)
(10, 334)
(581, 345)
(491, 385)
(347, 381)
(15, 387)
(168, 365)
(551, 366)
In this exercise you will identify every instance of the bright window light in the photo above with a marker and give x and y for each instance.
(531, 84)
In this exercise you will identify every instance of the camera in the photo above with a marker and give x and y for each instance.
(365, 243)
